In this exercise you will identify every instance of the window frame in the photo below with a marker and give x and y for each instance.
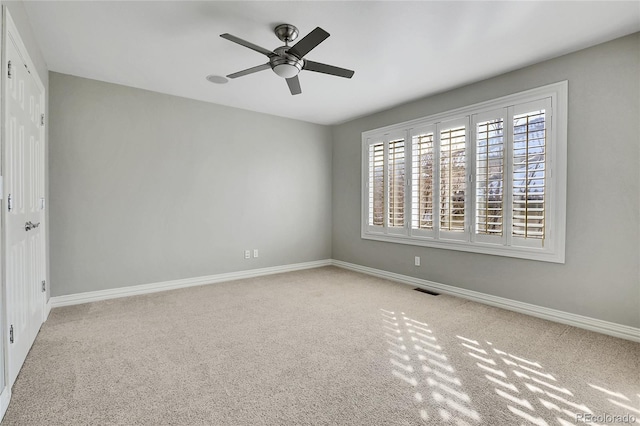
(553, 246)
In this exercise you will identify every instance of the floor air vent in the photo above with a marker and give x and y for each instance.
(422, 290)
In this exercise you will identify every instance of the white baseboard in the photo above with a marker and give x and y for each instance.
(604, 327)
(600, 326)
(95, 296)
(5, 397)
(47, 309)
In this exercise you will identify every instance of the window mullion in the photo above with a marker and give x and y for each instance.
(367, 184)
(408, 170)
(436, 182)
(467, 178)
(507, 197)
(387, 174)
(470, 213)
(550, 147)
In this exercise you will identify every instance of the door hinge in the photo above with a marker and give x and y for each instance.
(9, 202)
(9, 69)
(11, 334)
(44, 286)
(42, 120)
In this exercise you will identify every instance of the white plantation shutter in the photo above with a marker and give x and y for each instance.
(385, 183)
(453, 179)
(529, 173)
(423, 181)
(376, 184)
(396, 183)
(489, 176)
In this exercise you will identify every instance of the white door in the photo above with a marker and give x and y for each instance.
(23, 173)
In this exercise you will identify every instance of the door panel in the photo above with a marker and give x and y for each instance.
(23, 171)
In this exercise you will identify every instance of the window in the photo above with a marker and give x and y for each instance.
(376, 184)
(453, 180)
(396, 183)
(488, 178)
(422, 183)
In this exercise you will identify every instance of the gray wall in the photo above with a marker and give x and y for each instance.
(600, 278)
(149, 187)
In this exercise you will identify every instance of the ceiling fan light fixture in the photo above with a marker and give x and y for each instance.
(284, 64)
(286, 70)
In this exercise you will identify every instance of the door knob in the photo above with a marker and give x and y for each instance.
(30, 225)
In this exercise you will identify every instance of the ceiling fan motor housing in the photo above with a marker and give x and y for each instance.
(285, 64)
(286, 32)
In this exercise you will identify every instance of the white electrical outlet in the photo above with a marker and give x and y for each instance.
(247, 254)
(255, 252)
(417, 261)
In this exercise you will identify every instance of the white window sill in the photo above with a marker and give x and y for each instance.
(539, 254)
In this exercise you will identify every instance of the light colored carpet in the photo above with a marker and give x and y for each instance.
(316, 347)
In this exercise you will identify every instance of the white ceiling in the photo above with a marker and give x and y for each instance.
(399, 50)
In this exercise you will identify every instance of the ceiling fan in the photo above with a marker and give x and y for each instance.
(287, 61)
